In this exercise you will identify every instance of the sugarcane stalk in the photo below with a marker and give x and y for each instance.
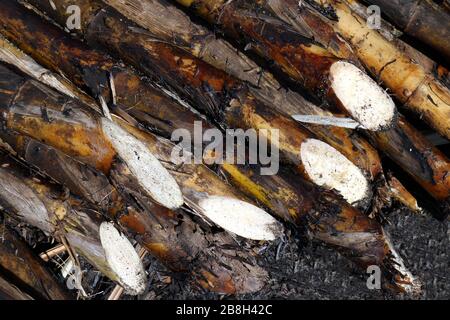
(161, 244)
(392, 34)
(304, 60)
(292, 201)
(177, 241)
(95, 73)
(42, 205)
(420, 91)
(12, 55)
(421, 19)
(324, 214)
(26, 270)
(426, 164)
(92, 139)
(224, 98)
(200, 186)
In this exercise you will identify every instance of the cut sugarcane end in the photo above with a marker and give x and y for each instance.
(123, 259)
(362, 97)
(145, 167)
(327, 167)
(241, 218)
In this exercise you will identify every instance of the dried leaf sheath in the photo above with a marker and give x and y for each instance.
(25, 270)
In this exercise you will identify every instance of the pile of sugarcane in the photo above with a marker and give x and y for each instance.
(91, 92)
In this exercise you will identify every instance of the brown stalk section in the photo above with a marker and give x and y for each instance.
(421, 19)
(419, 90)
(25, 271)
(172, 237)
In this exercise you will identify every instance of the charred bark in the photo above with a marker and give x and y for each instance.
(301, 58)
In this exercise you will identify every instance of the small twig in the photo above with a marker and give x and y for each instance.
(117, 292)
(49, 254)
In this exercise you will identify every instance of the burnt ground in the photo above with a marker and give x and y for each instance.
(302, 270)
(299, 269)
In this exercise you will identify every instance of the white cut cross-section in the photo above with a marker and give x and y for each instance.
(123, 259)
(145, 167)
(241, 218)
(362, 97)
(327, 167)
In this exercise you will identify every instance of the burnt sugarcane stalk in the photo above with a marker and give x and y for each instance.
(100, 76)
(389, 139)
(411, 151)
(426, 164)
(12, 55)
(202, 189)
(329, 219)
(176, 241)
(421, 19)
(290, 202)
(224, 98)
(91, 139)
(41, 204)
(25, 270)
(304, 60)
(168, 23)
(419, 90)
